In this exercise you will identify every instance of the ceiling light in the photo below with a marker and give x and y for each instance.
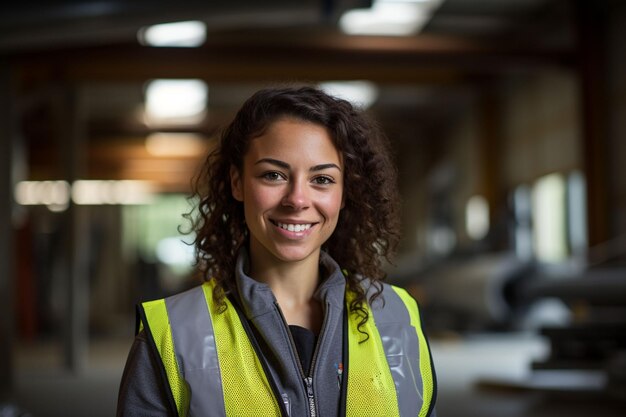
(175, 101)
(53, 194)
(96, 192)
(188, 34)
(389, 17)
(358, 92)
(477, 217)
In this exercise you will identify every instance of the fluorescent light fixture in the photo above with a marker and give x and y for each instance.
(389, 17)
(56, 194)
(358, 92)
(176, 101)
(126, 192)
(53, 194)
(477, 217)
(175, 144)
(190, 34)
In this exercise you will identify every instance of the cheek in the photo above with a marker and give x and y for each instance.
(258, 198)
(333, 203)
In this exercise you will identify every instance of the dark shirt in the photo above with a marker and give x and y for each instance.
(305, 341)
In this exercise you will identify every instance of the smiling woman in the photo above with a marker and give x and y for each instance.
(291, 189)
(297, 212)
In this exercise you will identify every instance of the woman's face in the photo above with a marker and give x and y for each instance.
(291, 186)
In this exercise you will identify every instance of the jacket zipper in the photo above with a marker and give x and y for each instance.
(316, 351)
(308, 380)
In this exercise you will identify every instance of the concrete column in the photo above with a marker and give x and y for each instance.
(592, 65)
(7, 273)
(490, 150)
(71, 139)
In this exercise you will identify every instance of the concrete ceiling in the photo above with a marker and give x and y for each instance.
(423, 78)
(25, 25)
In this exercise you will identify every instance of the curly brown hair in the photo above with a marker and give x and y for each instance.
(367, 231)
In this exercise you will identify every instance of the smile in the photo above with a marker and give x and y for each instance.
(294, 227)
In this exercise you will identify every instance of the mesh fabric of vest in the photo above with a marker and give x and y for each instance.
(371, 390)
(156, 313)
(247, 391)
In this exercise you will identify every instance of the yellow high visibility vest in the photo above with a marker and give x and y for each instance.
(239, 383)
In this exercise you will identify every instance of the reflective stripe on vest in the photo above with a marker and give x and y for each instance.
(213, 370)
(407, 352)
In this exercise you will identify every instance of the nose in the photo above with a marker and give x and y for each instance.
(297, 196)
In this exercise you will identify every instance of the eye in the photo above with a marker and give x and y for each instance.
(323, 180)
(272, 176)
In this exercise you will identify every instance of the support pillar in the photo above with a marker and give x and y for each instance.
(7, 235)
(71, 139)
(592, 61)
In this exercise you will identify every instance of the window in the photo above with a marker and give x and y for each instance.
(549, 218)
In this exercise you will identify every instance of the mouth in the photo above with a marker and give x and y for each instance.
(293, 227)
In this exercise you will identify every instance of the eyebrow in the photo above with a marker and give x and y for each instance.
(285, 165)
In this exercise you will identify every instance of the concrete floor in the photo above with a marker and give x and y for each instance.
(466, 368)
(489, 376)
(44, 389)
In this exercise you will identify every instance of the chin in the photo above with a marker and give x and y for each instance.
(294, 255)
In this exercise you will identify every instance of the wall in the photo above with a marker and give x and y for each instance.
(511, 132)
(541, 130)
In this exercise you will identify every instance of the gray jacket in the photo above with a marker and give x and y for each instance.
(143, 387)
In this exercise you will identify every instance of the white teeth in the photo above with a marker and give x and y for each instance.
(294, 227)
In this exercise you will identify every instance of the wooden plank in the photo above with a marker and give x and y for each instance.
(300, 56)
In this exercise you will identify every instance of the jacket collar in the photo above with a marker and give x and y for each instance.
(257, 298)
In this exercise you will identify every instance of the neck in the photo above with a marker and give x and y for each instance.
(293, 283)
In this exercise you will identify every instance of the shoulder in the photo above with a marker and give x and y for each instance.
(142, 390)
(181, 297)
(395, 304)
(174, 309)
(385, 289)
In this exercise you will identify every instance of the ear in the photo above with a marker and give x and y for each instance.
(235, 183)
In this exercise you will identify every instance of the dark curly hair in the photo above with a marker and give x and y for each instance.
(367, 230)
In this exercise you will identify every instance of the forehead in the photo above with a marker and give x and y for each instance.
(294, 139)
